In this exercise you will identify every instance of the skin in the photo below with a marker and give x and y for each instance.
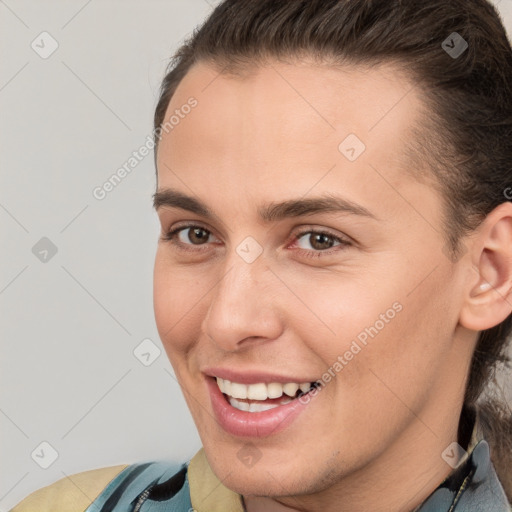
(372, 439)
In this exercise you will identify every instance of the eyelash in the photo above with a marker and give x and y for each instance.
(310, 253)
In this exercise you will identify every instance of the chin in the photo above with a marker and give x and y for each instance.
(266, 483)
(292, 477)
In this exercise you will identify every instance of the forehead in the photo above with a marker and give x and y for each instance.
(291, 120)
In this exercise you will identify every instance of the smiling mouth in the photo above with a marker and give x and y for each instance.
(261, 397)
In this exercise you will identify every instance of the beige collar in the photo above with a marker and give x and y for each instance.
(207, 493)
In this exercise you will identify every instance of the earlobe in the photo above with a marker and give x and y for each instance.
(489, 300)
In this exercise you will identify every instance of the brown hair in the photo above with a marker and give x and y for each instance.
(466, 139)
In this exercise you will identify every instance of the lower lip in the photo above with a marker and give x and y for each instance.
(252, 424)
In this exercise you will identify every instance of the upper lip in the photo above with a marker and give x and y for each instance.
(252, 376)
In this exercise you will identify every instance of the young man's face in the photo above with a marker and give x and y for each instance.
(370, 309)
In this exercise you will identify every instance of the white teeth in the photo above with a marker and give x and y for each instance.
(238, 390)
(274, 390)
(242, 406)
(252, 407)
(261, 391)
(257, 391)
(305, 387)
(290, 388)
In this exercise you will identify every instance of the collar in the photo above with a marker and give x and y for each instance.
(207, 493)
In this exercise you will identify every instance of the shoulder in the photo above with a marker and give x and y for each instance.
(157, 485)
(72, 493)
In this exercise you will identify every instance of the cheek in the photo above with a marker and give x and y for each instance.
(164, 301)
(402, 361)
(176, 301)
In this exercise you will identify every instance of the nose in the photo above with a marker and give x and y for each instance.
(243, 306)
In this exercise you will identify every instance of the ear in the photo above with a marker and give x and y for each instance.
(488, 300)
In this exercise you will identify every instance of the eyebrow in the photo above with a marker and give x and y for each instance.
(268, 212)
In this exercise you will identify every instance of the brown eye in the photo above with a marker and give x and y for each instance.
(317, 240)
(188, 236)
(315, 244)
(197, 235)
(321, 241)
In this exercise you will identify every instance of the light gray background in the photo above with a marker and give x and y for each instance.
(70, 325)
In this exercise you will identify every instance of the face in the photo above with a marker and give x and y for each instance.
(268, 294)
